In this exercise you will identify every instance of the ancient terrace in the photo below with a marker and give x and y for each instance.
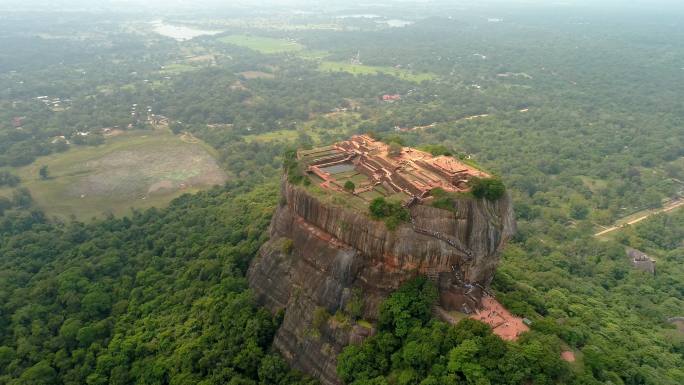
(408, 174)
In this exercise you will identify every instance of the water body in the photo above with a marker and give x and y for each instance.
(338, 168)
(396, 23)
(180, 32)
(360, 16)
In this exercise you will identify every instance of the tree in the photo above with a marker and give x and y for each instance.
(578, 210)
(462, 360)
(39, 374)
(272, 370)
(349, 186)
(248, 359)
(96, 303)
(43, 172)
(69, 332)
(488, 188)
(392, 213)
(394, 149)
(6, 356)
(22, 198)
(8, 179)
(378, 208)
(5, 204)
(408, 307)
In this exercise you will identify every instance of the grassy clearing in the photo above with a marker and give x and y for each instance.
(273, 136)
(313, 54)
(458, 316)
(357, 69)
(281, 136)
(135, 170)
(177, 68)
(256, 75)
(266, 45)
(339, 199)
(6, 192)
(370, 195)
(595, 185)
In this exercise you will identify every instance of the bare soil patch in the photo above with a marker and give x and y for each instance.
(503, 323)
(568, 356)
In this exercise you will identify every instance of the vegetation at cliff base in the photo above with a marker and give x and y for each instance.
(413, 348)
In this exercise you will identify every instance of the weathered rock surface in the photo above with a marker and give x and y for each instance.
(319, 255)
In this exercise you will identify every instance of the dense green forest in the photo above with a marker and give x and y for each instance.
(580, 115)
(157, 297)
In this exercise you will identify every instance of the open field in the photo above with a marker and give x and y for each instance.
(282, 135)
(266, 45)
(278, 135)
(177, 68)
(6, 192)
(313, 54)
(134, 170)
(593, 184)
(358, 69)
(256, 75)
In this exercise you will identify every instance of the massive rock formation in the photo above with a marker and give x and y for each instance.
(324, 262)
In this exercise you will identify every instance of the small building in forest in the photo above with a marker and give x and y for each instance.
(641, 260)
(18, 121)
(391, 97)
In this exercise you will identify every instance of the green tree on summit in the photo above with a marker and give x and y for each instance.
(349, 186)
(488, 188)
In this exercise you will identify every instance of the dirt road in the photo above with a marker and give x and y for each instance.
(668, 207)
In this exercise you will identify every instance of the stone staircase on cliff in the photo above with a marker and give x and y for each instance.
(441, 237)
(432, 274)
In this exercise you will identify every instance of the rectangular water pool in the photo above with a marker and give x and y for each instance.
(338, 168)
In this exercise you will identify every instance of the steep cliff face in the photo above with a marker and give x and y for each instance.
(326, 266)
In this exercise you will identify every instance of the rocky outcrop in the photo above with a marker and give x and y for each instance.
(326, 265)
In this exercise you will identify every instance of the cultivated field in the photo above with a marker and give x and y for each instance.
(358, 69)
(134, 170)
(256, 75)
(263, 44)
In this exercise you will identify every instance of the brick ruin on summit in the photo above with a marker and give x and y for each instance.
(408, 171)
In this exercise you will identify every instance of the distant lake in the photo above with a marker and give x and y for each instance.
(179, 32)
(398, 23)
(359, 16)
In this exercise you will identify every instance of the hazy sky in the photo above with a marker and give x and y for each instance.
(199, 4)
